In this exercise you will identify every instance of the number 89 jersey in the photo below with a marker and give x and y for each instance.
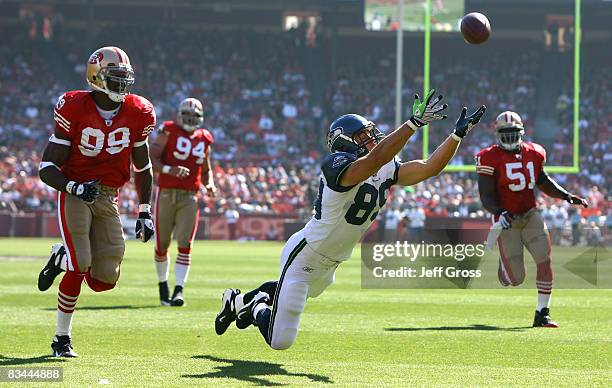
(187, 149)
(515, 174)
(101, 149)
(343, 214)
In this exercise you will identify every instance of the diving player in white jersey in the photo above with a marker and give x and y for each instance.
(355, 179)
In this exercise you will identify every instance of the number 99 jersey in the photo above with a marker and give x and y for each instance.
(101, 149)
(343, 214)
(187, 149)
(515, 174)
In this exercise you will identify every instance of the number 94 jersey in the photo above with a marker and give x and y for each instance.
(101, 149)
(187, 149)
(343, 214)
(515, 174)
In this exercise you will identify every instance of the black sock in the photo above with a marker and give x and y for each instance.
(267, 287)
(263, 323)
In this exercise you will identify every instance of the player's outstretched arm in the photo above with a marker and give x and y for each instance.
(413, 172)
(423, 112)
(553, 189)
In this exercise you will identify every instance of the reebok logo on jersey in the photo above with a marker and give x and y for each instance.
(308, 269)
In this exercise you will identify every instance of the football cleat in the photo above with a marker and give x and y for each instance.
(62, 346)
(542, 319)
(245, 317)
(177, 297)
(164, 294)
(52, 268)
(227, 315)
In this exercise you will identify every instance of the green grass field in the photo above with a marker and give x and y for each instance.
(348, 336)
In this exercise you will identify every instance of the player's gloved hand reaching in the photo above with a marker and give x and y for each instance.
(505, 219)
(87, 191)
(144, 225)
(426, 111)
(466, 123)
(576, 200)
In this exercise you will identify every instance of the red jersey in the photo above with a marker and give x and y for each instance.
(102, 149)
(515, 174)
(187, 149)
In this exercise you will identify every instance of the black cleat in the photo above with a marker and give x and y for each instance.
(62, 346)
(227, 315)
(177, 297)
(245, 317)
(52, 268)
(543, 319)
(164, 293)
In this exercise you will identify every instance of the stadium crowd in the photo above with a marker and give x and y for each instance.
(269, 131)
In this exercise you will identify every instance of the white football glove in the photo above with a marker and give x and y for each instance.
(426, 111)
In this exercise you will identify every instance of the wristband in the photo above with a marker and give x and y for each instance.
(456, 137)
(69, 186)
(166, 169)
(144, 208)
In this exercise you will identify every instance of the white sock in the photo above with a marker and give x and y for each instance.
(181, 272)
(543, 301)
(162, 270)
(239, 302)
(64, 323)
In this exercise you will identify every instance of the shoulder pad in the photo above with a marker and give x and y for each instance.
(333, 166)
(208, 136)
(539, 150)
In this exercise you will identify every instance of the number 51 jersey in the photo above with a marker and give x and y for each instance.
(187, 149)
(101, 149)
(343, 214)
(515, 174)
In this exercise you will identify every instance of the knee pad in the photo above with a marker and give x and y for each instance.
(98, 285)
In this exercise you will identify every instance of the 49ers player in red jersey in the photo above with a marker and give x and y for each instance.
(508, 173)
(181, 155)
(98, 135)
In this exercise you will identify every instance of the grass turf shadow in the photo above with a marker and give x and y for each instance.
(9, 361)
(477, 327)
(248, 371)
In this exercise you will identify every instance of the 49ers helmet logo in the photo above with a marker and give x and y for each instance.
(96, 58)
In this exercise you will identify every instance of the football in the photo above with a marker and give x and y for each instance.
(475, 28)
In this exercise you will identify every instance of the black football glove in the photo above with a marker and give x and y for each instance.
(505, 219)
(576, 200)
(424, 112)
(465, 123)
(144, 227)
(87, 191)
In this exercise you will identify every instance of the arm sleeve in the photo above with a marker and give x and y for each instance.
(62, 116)
(332, 168)
(485, 164)
(148, 124)
(542, 154)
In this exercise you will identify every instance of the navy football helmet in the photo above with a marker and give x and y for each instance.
(351, 133)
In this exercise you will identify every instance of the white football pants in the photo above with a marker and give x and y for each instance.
(303, 274)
